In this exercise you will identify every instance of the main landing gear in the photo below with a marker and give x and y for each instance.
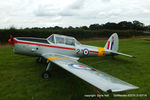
(40, 60)
(47, 74)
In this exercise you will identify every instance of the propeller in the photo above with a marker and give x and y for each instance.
(11, 37)
(11, 40)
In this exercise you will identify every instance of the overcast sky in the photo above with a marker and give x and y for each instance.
(46, 13)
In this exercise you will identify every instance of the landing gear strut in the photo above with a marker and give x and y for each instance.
(40, 60)
(47, 74)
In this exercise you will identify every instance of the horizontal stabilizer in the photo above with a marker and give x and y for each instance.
(118, 53)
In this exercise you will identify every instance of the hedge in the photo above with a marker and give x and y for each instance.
(77, 33)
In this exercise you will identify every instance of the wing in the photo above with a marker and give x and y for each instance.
(97, 78)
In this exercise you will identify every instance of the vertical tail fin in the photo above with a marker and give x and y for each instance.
(112, 43)
(112, 46)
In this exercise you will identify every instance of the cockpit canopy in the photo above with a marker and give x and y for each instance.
(61, 39)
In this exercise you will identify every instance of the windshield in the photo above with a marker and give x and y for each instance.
(51, 39)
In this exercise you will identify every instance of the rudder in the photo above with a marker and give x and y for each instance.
(112, 43)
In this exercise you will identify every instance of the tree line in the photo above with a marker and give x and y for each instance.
(123, 25)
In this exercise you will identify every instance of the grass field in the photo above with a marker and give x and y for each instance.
(20, 76)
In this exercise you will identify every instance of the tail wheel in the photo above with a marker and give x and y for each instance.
(46, 75)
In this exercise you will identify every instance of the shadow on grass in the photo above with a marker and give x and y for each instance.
(117, 59)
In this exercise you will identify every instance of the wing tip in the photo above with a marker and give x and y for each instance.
(133, 88)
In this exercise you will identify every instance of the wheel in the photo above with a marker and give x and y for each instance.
(46, 75)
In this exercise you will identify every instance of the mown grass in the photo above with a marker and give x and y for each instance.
(20, 76)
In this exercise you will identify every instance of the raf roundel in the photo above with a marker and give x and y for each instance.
(77, 66)
(85, 52)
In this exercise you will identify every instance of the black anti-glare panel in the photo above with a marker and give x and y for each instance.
(33, 39)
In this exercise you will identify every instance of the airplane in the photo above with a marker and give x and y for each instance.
(65, 52)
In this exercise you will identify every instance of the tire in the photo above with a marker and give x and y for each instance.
(46, 75)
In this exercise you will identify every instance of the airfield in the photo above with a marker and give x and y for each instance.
(20, 76)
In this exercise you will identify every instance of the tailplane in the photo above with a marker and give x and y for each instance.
(112, 46)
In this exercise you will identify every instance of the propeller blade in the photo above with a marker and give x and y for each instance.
(11, 40)
(11, 37)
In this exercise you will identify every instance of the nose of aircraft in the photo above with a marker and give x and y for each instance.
(11, 40)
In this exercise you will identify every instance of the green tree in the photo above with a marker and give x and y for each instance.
(138, 25)
(84, 27)
(125, 25)
(94, 27)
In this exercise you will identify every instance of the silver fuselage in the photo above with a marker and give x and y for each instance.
(37, 48)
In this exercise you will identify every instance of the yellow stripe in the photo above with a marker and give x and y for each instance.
(54, 57)
(101, 51)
